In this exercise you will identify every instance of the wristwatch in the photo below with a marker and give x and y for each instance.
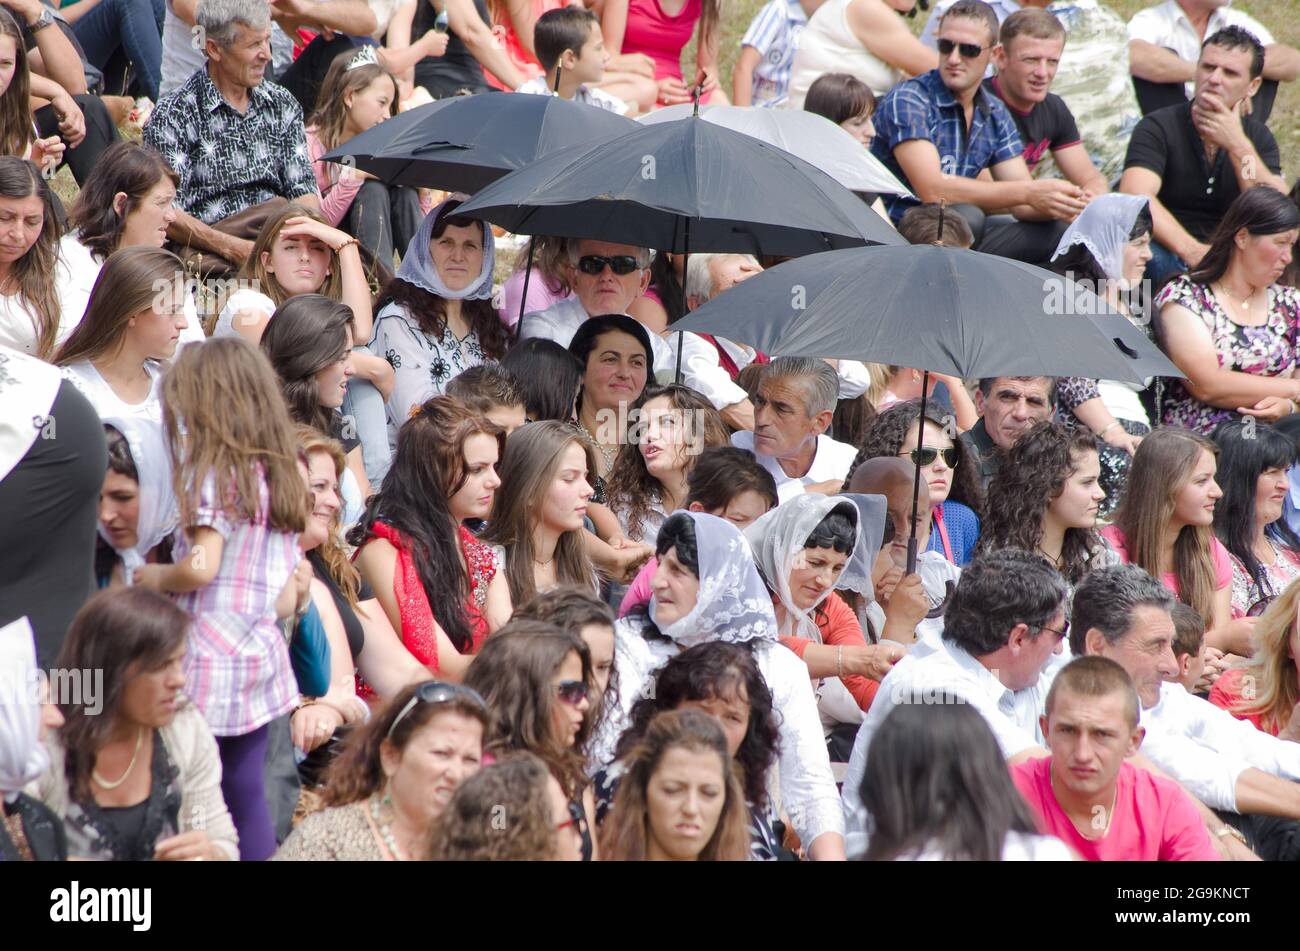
(42, 21)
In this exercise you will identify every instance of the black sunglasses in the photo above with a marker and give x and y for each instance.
(620, 264)
(434, 691)
(924, 457)
(1062, 634)
(968, 50)
(572, 692)
(578, 819)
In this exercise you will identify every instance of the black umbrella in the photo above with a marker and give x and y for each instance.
(938, 309)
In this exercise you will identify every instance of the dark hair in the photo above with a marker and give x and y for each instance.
(500, 814)
(705, 672)
(836, 531)
(1078, 262)
(679, 532)
(428, 469)
(932, 223)
(1239, 38)
(997, 591)
(1033, 474)
(585, 337)
(986, 385)
(1189, 629)
(548, 376)
(1094, 676)
(937, 780)
(306, 334)
(513, 672)
(1261, 211)
(566, 28)
(1106, 598)
(1246, 450)
(839, 97)
(430, 311)
(974, 10)
(34, 272)
(663, 278)
(724, 472)
(122, 632)
(129, 167)
(887, 434)
(16, 132)
(120, 459)
(485, 387)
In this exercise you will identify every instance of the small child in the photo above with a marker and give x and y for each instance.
(762, 73)
(1189, 647)
(492, 391)
(929, 224)
(568, 40)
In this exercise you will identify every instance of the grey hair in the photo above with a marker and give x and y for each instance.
(643, 255)
(821, 384)
(220, 19)
(699, 278)
(1106, 599)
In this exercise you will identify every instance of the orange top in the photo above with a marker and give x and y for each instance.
(839, 626)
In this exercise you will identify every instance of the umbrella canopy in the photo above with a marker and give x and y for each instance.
(946, 310)
(683, 186)
(806, 135)
(467, 142)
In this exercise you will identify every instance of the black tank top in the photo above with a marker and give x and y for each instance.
(456, 69)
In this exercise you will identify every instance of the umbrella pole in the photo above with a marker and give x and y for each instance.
(916, 483)
(686, 259)
(523, 301)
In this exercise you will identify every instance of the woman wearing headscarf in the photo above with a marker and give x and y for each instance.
(438, 318)
(1106, 249)
(137, 506)
(30, 831)
(707, 588)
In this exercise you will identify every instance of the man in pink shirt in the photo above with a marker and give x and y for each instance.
(1085, 793)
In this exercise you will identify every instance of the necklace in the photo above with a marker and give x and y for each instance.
(1110, 813)
(1245, 301)
(104, 783)
(543, 564)
(608, 455)
(386, 832)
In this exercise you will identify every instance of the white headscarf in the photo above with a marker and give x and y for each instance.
(158, 510)
(733, 604)
(417, 265)
(1104, 228)
(22, 757)
(778, 539)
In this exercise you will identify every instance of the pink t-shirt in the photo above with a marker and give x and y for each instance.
(1218, 554)
(638, 593)
(539, 296)
(661, 37)
(1154, 819)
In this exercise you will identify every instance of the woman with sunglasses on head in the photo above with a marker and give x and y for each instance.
(1253, 463)
(707, 589)
(394, 777)
(537, 681)
(946, 464)
(1266, 691)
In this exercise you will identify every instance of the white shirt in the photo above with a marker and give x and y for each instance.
(1166, 25)
(941, 673)
(18, 324)
(95, 388)
(244, 299)
(1018, 847)
(1206, 748)
(829, 45)
(587, 95)
(807, 787)
(831, 461)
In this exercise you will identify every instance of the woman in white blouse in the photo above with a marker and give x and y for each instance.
(133, 323)
(707, 588)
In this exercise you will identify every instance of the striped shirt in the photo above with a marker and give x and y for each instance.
(774, 32)
(237, 669)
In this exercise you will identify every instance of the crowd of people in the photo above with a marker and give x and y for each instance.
(329, 537)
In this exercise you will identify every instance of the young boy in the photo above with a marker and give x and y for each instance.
(1190, 649)
(568, 40)
(491, 391)
(762, 73)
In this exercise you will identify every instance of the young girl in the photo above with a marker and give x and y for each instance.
(357, 94)
(238, 567)
(661, 31)
(846, 101)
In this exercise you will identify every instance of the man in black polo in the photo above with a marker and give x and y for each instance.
(1009, 406)
(1192, 160)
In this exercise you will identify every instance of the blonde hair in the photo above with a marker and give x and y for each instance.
(341, 570)
(255, 268)
(1269, 687)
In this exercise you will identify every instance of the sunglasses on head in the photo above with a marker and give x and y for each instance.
(620, 264)
(572, 692)
(924, 457)
(433, 691)
(968, 50)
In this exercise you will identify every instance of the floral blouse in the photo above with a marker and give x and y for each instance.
(1267, 350)
(1276, 577)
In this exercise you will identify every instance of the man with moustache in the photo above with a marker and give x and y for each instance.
(1009, 406)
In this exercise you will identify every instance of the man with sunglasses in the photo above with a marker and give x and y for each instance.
(940, 131)
(1009, 406)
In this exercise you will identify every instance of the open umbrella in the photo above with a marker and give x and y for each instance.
(938, 309)
(811, 137)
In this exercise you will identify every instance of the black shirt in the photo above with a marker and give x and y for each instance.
(1049, 125)
(1195, 192)
(351, 623)
(454, 70)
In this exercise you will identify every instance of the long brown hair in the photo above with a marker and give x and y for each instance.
(500, 814)
(255, 268)
(132, 281)
(34, 271)
(1161, 467)
(528, 467)
(122, 632)
(513, 673)
(225, 418)
(1269, 687)
(15, 108)
(307, 333)
(341, 570)
(625, 836)
(132, 168)
(331, 112)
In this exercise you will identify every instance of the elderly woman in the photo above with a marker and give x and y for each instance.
(1229, 326)
(395, 778)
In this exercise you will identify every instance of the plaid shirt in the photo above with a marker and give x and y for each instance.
(924, 108)
(227, 160)
(774, 32)
(237, 668)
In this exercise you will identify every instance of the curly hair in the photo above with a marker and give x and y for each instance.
(500, 814)
(1032, 476)
(716, 670)
(888, 433)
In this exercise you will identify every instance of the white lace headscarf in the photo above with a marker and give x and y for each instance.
(417, 265)
(158, 510)
(778, 539)
(733, 604)
(1104, 228)
(22, 756)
